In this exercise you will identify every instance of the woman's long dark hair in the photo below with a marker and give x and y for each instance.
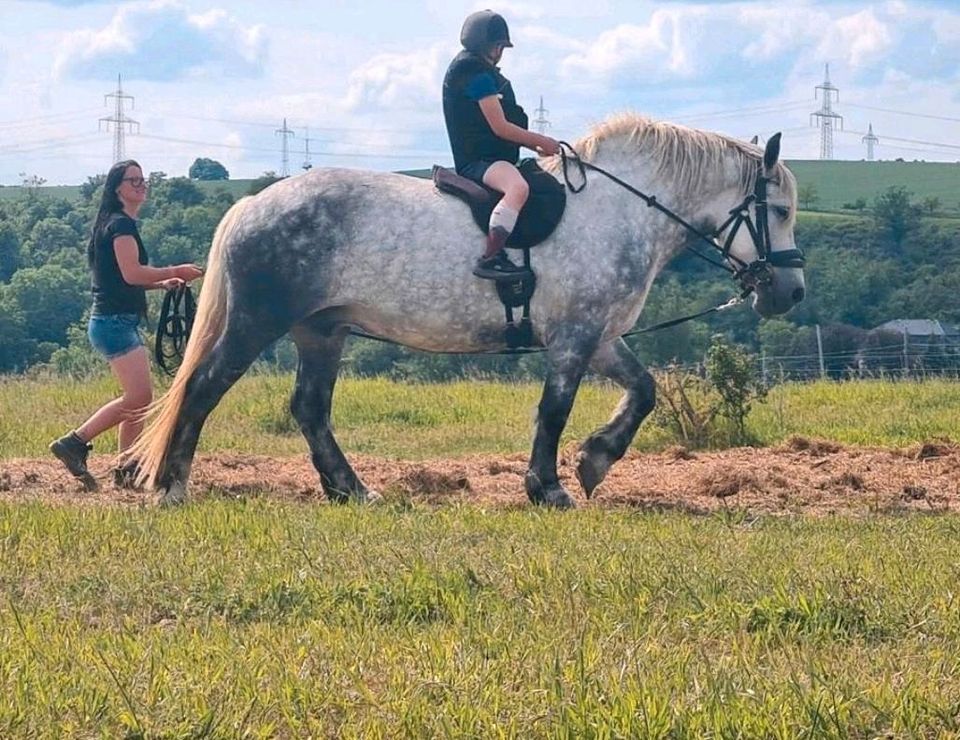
(109, 203)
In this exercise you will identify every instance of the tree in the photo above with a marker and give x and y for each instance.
(50, 299)
(807, 195)
(894, 213)
(176, 190)
(91, 186)
(264, 181)
(9, 251)
(931, 206)
(860, 204)
(48, 237)
(207, 169)
(16, 347)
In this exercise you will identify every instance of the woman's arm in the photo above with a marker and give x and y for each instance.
(128, 259)
(493, 112)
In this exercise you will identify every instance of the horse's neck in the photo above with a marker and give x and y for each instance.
(645, 172)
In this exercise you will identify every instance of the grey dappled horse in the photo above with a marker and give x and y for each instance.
(317, 254)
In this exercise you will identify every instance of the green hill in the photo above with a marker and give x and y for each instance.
(836, 183)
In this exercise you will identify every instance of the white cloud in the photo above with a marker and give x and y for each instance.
(777, 30)
(515, 10)
(858, 40)
(161, 40)
(398, 81)
(661, 48)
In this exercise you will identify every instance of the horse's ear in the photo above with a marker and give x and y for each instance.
(755, 139)
(772, 153)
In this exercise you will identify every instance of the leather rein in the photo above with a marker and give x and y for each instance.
(749, 275)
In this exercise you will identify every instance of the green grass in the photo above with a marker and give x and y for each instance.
(260, 619)
(840, 182)
(417, 421)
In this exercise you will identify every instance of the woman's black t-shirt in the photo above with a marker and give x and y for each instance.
(111, 293)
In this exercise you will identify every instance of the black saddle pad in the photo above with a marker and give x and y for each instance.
(540, 215)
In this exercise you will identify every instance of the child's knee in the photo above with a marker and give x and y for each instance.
(521, 189)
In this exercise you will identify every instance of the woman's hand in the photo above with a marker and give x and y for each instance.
(187, 273)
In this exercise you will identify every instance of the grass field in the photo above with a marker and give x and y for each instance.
(392, 419)
(265, 618)
(837, 182)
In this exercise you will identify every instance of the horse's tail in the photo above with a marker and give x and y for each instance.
(150, 449)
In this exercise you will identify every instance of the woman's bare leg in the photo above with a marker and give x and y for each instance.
(132, 371)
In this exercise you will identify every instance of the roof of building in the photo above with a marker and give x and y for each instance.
(914, 327)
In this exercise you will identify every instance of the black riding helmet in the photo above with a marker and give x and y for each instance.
(484, 29)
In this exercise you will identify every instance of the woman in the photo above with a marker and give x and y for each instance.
(486, 129)
(120, 277)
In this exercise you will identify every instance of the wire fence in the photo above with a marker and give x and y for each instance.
(907, 360)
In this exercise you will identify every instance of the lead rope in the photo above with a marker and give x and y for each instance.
(173, 329)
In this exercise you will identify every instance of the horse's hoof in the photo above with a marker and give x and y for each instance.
(556, 497)
(552, 495)
(591, 468)
(174, 495)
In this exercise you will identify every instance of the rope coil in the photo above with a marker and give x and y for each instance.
(173, 329)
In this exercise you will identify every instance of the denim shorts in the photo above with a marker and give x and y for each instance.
(114, 335)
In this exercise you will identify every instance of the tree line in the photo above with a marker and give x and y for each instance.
(889, 260)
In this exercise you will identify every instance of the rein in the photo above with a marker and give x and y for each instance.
(749, 275)
(173, 328)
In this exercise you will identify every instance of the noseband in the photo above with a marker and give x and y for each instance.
(748, 274)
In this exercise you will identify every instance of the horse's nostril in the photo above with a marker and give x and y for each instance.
(798, 295)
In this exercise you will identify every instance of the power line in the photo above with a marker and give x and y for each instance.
(911, 141)
(243, 147)
(313, 127)
(871, 140)
(758, 110)
(912, 114)
(284, 133)
(119, 120)
(826, 117)
(307, 164)
(541, 121)
(49, 120)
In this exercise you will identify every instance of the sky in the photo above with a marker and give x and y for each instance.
(358, 82)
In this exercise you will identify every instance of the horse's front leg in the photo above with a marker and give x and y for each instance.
(569, 355)
(615, 360)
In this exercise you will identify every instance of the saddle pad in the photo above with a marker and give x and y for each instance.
(540, 215)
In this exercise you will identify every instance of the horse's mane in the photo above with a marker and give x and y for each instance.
(687, 154)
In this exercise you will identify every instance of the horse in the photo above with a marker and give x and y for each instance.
(338, 250)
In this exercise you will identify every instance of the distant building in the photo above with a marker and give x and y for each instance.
(913, 327)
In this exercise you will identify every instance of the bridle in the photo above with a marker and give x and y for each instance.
(748, 274)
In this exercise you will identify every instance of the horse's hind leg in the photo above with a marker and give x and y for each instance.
(608, 444)
(320, 347)
(228, 359)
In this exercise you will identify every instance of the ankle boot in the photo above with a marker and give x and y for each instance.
(72, 452)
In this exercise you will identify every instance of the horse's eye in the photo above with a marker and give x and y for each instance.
(782, 211)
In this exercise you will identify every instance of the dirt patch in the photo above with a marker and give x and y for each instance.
(800, 476)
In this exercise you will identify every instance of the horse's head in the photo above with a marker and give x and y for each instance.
(759, 238)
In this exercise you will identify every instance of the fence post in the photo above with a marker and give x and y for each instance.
(823, 371)
(906, 354)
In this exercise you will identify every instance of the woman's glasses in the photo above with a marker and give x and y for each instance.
(137, 182)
